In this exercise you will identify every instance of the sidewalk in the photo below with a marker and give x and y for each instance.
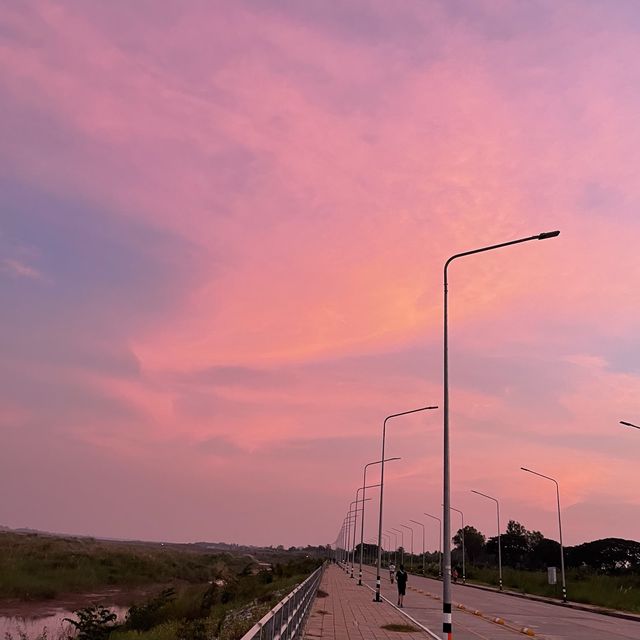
(348, 612)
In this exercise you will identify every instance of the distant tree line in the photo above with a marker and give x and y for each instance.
(524, 549)
(530, 550)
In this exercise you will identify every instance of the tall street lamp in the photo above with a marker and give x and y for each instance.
(423, 558)
(371, 542)
(499, 545)
(395, 544)
(401, 543)
(446, 582)
(564, 584)
(384, 430)
(352, 517)
(387, 544)
(345, 538)
(440, 532)
(338, 554)
(464, 575)
(629, 424)
(364, 482)
(411, 556)
(356, 522)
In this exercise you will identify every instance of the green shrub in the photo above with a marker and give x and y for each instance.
(193, 630)
(93, 623)
(149, 614)
(164, 631)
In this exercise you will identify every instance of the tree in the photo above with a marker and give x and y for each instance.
(474, 542)
(518, 545)
(515, 545)
(610, 555)
(546, 553)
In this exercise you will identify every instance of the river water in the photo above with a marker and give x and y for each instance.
(33, 618)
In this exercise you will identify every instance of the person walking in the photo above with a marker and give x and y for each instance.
(392, 572)
(401, 579)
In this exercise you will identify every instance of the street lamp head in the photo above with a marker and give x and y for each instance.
(628, 424)
(525, 469)
(548, 234)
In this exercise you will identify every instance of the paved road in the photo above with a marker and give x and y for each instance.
(548, 621)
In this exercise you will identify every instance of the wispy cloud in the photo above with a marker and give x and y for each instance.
(20, 269)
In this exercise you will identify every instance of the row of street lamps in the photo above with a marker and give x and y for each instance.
(352, 516)
(480, 493)
(446, 502)
(382, 461)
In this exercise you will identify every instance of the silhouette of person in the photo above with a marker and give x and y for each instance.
(401, 579)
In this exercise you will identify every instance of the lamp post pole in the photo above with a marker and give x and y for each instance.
(345, 538)
(352, 535)
(364, 482)
(446, 582)
(352, 516)
(388, 544)
(384, 430)
(343, 546)
(499, 544)
(395, 545)
(423, 546)
(440, 531)
(371, 542)
(355, 527)
(411, 557)
(564, 584)
(464, 575)
(401, 543)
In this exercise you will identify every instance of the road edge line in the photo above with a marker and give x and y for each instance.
(406, 615)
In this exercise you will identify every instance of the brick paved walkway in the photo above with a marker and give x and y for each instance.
(349, 613)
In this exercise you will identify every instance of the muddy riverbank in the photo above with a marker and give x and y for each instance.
(32, 618)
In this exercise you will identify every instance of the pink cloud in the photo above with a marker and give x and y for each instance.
(20, 269)
(317, 168)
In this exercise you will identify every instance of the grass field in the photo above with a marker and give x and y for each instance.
(195, 594)
(615, 592)
(35, 566)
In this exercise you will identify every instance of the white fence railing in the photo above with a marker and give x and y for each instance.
(286, 620)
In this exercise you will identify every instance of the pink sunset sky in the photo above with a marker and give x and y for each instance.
(222, 232)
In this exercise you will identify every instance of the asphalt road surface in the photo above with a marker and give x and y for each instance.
(547, 621)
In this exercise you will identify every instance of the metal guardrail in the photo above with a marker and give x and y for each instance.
(286, 620)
